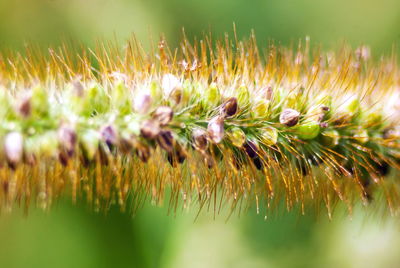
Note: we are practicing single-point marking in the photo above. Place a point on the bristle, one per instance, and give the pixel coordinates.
(111, 125)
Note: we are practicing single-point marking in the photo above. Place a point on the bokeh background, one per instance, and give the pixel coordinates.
(74, 236)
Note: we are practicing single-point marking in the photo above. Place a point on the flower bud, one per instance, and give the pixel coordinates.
(142, 103)
(251, 149)
(269, 136)
(166, 140)
(237, 137)
(163, 115)
(14, 148)
(200, 141)
(229, 108)
(67, 140)
(109, 136)
(89, 141)
(150, 129)
(39, 102)
(215, 129)
(289, 117)
(25, 107)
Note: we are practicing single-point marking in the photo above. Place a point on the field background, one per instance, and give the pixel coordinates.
(73, 236)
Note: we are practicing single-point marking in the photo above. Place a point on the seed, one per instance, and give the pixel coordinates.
(200, 140)
(215, 129)
(260, 108)
(229, 108)
(308, 130)
(289, 117)
(251, 149)
(237, 137)
(142, 103)
(166, 140)
(143, 152)
(25, 107)
(331, 138)
(269, 136)
(163, 115)
(109, 136)
(67, 139)
(90, 142)
(14, 148)
(361, 135)
(150, 129)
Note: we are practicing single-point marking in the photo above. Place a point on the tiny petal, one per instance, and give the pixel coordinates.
(289, 117)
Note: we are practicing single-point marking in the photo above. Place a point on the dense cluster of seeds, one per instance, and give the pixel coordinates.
(213, 125)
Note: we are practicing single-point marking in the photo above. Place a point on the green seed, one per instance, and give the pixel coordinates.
(269, 136)
(308, 130)
(237, 137)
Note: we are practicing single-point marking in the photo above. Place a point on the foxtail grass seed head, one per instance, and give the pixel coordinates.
(121, 127)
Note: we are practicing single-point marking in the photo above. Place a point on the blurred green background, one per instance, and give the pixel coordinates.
(73, 236)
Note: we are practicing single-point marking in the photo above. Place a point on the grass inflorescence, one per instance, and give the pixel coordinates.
(217, 124)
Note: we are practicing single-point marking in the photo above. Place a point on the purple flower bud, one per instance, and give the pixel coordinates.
(200, 141)
(289, 117)
(25, 107)
(142, 103)
(67, 139)
(150, 129)
(163, 115)
(215, 129)
(14, 148)
(109, 135)
(229, 108)
(166, 140)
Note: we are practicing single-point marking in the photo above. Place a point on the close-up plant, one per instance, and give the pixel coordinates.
(160, 150)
